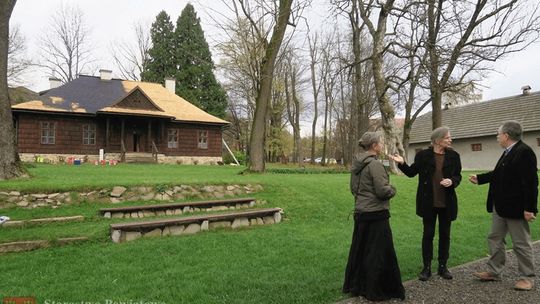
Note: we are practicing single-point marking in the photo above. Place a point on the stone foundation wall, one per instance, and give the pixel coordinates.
(62, 158)
(117, 194)
(162, 158)
(189, 160)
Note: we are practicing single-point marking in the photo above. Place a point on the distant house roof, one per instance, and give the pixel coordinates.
(21, 94)
(482, 118)
(91, 95)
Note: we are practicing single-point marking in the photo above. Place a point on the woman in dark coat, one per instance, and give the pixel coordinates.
(439, 169)
(372, 269)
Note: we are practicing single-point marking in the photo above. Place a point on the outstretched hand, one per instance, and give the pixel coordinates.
(529, 216)
(473, 179)
(397, 158)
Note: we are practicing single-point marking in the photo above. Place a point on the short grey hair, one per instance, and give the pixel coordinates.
(369, 138)
(439, 133)
(512, 128)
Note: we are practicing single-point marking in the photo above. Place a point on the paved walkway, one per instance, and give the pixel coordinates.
(465, 289)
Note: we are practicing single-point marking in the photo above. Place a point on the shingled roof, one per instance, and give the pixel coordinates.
(91, 95)
(482, 118)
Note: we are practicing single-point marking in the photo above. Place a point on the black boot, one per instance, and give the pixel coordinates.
(425, 274)
(444, 273)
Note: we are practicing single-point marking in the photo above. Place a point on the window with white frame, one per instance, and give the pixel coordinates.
(202, 139)
(89, 134)
(172, 138)
(47, 132)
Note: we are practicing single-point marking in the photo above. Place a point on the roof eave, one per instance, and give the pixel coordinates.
(202, 122)
(53, 112)
(134, 114)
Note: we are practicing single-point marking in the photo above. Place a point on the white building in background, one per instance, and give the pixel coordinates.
(474, 128)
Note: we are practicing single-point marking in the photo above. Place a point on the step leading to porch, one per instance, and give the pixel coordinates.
(139, 157)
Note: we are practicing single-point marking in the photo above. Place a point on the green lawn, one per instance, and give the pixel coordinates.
(300, 260)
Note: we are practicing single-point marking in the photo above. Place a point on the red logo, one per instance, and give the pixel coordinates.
(19, 300)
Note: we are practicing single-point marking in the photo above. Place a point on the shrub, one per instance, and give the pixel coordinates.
(240, 157)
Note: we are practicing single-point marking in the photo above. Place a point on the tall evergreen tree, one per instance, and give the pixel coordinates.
(195, 79)
(161, 61)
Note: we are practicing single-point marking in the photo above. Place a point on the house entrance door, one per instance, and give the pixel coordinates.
(136, 142)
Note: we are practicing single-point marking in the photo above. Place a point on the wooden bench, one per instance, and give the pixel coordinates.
(124, 232)
(176, 208)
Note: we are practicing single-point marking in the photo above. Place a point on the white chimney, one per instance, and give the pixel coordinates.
(526, 89)
(105, 74)
(54, 82)
(170, 84)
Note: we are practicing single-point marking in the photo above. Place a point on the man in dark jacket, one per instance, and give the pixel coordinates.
(512, 198)
(439, 170)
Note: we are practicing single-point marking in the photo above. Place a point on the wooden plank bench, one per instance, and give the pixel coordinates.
(176, 208)
(124, 232)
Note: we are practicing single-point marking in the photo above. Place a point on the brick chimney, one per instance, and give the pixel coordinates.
(105, 74)
(54, 82)
(170, 84)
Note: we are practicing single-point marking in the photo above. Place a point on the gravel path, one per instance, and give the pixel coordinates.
(465, 289)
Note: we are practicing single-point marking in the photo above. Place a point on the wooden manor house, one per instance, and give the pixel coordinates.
(129, 120)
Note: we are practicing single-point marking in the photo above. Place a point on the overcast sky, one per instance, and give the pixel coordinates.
(111, 20)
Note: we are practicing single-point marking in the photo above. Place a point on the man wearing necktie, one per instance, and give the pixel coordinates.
(512, 199)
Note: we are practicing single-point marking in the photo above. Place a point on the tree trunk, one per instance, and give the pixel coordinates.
(359, 114)
(296, 120)
(325, 127)
(10, 165)
(258, 131)
(315, 90)
(393, 141)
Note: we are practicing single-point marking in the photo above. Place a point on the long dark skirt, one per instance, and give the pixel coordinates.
(372, 269)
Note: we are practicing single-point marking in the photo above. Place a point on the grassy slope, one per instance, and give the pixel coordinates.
(300, 260)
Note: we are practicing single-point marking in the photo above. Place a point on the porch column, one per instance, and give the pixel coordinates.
(163, 133)
(122, 134)
(107, 130)
(149, 139)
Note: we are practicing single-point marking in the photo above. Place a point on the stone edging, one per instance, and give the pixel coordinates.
(117, 194)
(37, 244)
(47, 220)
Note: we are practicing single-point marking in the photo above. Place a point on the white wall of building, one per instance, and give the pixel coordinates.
(480, 160)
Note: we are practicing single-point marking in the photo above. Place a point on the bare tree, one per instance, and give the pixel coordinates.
(279, 10)
(361, 71)
(65, 45)
(275, 144)
(343, 109)
(293, 71)
(313, 43)
(410, 81)
(378, 33)
(465, 36)
(130, 57)
(10, 164)
(242, 56)
(329, 74)
(18, 63)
